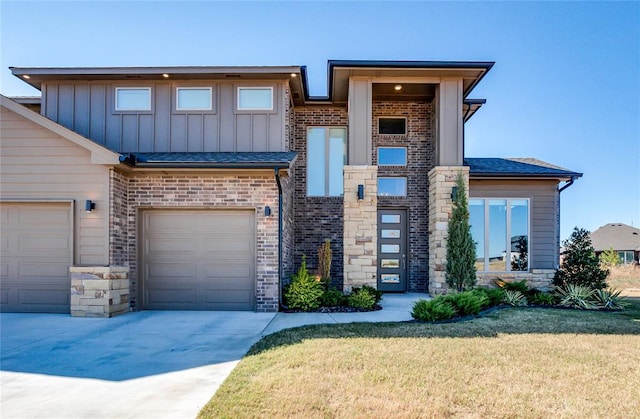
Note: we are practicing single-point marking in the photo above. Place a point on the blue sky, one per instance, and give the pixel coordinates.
(565, 87)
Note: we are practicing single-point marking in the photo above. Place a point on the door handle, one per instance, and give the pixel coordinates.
(404, 261)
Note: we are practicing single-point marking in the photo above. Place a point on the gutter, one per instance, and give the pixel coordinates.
(569, 183)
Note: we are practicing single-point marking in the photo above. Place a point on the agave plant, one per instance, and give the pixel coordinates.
(576, 296)
(609, 299)
(514, 298)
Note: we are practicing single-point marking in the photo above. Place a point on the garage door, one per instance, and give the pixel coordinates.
(199, 260)
(36, 245)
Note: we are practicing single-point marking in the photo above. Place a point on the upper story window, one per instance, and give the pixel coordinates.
(133, 98)
(500, 228)
(326, 157)
(255, 98)
(392, 156)
(392, 125)
(194, 99)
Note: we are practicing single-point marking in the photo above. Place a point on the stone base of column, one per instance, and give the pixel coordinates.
(99, 291)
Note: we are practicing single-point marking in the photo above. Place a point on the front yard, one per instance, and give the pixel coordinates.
(515, 362)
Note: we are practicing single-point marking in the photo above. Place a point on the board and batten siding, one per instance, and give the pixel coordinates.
(543, 213)
(88, 108)
(39, 165)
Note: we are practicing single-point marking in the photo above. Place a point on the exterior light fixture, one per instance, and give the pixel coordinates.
(294, 75)
(26, 76)
(89, 205)
(267, 211)
(165, 75)
(360, 192)
(397, 87)
(454, 193)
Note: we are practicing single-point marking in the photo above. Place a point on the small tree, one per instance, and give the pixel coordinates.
(580, 265)
(609, 258)
(461, 249)
(324, 262)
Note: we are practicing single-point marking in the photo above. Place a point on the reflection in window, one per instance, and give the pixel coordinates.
(519, 235)
(390, 278)
(390, 263)
(326, 157)
(476, 220)
(389, 248)
(392, 156)
(390, 218)
(392, 186)
(497, 235)
(390, 234)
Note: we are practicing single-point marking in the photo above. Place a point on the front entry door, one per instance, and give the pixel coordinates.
(392, 250)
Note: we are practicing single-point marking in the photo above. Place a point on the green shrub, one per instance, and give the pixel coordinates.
(541, 299)
(376, 293)
(576, 296)
(304, 292)
(433, 310)
(608, 299)
(333, 298)
(362, 298)
(520, 286)
(468, 302)
(494, 295)
(514, 298)
(580, 265)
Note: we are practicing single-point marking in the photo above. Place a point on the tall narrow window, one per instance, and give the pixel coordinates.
(326, 157)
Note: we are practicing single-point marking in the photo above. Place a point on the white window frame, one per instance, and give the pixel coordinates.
(327, 163)
(406, 128)
(239, 88)
(406, 186)
(119, 109)
(508, 231)
(210, 108)
(406, 157)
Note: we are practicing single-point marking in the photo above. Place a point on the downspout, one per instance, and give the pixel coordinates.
(277, 175)
(565, 186)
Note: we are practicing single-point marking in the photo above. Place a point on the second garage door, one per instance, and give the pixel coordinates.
(198, 260)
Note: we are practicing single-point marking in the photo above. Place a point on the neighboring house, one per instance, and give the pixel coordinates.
(624, 239)
(202, 187)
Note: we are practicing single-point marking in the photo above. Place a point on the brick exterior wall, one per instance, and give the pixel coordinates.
(420, 143)
(118, 237)
(316, 218)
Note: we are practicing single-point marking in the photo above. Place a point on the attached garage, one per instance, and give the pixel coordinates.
(37, 250)
(198, 259)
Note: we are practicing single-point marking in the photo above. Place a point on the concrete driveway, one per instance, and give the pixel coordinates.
(156, 364)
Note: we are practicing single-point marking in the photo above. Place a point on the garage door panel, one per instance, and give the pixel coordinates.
(227, 297)
(55, 218)
(168, 222)
(47, 245)
(161, 245)
(170, 296)
(43, 272)
(171, 271)
(227, 245)
(227, 270)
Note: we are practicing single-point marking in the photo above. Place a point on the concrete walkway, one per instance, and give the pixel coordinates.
(149, 364)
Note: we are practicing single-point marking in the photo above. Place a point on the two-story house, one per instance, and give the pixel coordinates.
(202, 187)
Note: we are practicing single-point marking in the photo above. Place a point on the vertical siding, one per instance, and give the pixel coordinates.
(36, 164)
(89, 109)
(542, 212)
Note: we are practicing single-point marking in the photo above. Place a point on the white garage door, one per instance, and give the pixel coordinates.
(199, 260)
(37, 249)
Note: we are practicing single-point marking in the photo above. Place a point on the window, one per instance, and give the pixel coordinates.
(193, 99)
(392, 186)
(392, 126)
(326, 157)
(255, 98)
(133, 99)
(500, 228)
(392, 156)
(625, 257)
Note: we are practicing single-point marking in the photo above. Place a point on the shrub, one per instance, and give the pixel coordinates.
(542, 299)
(333, 298)
(362, 298)
(304, 292)
(608, 299)
(494, 295)
(433, 310)
(576, 296)
(609, 258)
(514, 298)
(376, 293)
(580, 265)
(520, 286)
(468, 302)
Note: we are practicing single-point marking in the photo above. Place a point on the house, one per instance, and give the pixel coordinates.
(622, 238)
(202, 187)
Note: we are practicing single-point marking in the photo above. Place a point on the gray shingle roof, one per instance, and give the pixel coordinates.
(243, 160)
(617, 235)
(525, 167)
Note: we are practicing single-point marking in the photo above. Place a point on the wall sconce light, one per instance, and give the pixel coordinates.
(360, 192)
(89, 205)
(267, 211)
(454, 193)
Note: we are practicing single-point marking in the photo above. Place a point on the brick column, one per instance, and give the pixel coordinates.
(99, 291)
(360, 240)
(441, 181)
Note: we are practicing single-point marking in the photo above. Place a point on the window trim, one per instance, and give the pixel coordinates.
(486, 199)
(177, 90)
(406, 157)
(327, 162)
(406, 187)
(239, 88)
(149, 101)
(406, 128)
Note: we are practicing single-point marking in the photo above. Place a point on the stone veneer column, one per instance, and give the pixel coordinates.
(99, 291)
(360, 238)
(441, 181)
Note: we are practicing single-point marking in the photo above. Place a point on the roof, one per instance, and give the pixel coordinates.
(198, 160)
(617, 235)
(99, 154)
(516, 167)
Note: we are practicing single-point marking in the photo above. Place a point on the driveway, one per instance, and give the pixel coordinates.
(156, 364)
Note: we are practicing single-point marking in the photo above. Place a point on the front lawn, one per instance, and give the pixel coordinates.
(515, 362)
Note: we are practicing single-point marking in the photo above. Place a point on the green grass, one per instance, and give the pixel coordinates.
(515, 362)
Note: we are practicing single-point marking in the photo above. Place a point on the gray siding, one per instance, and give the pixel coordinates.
(543, 213)
(89, 109)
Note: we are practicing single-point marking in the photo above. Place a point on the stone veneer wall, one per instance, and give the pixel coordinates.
(441, 181)
(316, 218)
(536, 278)
(99, 291)
(420, 144)
(360, 227)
